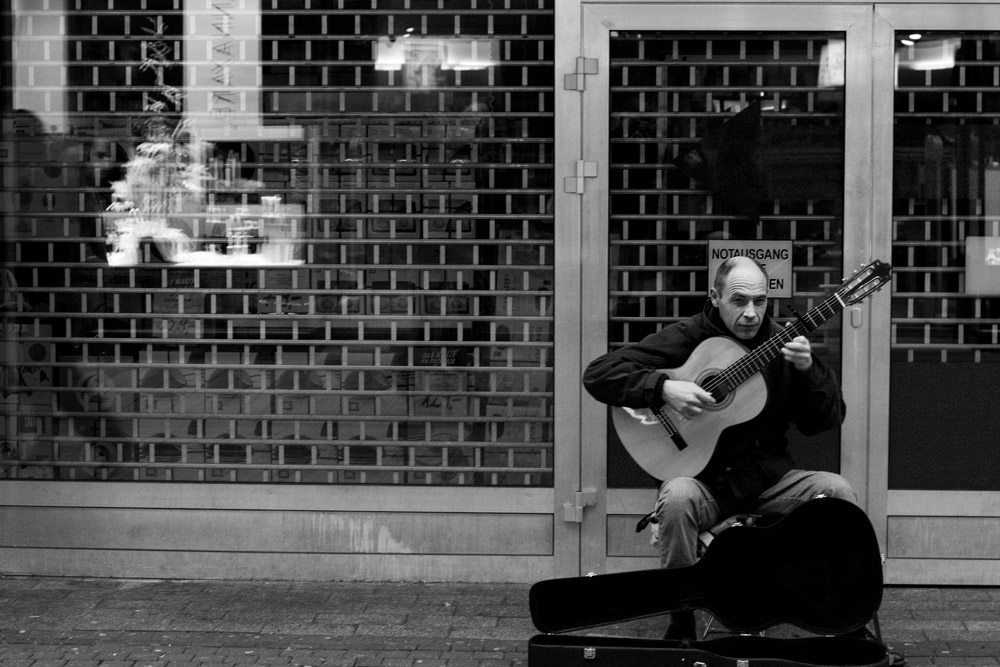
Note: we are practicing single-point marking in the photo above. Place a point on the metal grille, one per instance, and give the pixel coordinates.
(945, 327)
(408, 340)
(946, 198)
(671, 95)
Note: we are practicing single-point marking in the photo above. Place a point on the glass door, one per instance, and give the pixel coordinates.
(724, 130)
(937, 109)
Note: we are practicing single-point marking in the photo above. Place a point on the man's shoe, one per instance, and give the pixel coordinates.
(861, 633)
(682, 626)
(896, 658)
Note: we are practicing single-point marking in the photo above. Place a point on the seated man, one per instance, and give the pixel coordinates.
(751, 470)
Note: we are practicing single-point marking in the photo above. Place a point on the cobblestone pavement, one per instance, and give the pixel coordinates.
(49, 622)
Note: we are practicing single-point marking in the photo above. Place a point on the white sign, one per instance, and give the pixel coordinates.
(774, 256)
(223, 83)
(982, 265)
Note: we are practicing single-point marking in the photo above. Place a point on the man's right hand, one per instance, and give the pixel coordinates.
(686, 397)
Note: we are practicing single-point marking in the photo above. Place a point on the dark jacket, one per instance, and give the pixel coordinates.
(752, 456)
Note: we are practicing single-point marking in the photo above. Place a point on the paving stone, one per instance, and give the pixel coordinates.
(130, 623)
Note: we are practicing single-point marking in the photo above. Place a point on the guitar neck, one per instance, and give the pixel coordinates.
(768, 351)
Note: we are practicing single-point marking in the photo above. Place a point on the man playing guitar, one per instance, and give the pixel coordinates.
(750, 470)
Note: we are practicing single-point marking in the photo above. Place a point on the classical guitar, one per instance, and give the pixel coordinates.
(818, 567)
(666, 444)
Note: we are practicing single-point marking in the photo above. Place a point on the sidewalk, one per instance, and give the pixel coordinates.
(49, 622)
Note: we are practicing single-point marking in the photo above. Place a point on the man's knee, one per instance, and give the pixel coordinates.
(678, 498)
(681, 508)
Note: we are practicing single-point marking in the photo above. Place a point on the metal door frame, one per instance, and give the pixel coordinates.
(914, 505)
(597, 20)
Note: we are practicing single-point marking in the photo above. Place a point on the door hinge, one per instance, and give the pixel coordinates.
(583, 67)
(584, 169)
(573, 512)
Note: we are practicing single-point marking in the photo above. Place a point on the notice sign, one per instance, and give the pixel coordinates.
(774, 256)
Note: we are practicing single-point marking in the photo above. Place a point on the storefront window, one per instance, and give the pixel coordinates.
(946, 262)
(265, 242)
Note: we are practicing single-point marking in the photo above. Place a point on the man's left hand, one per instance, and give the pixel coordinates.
(798, 352)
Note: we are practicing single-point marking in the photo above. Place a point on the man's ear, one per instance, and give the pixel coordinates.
(713, 295)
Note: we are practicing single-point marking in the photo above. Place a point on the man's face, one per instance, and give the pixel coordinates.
(743, 301)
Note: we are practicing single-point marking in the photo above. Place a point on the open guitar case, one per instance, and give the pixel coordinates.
(819, 568)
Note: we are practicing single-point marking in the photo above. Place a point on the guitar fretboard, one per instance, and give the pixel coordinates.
(743, 369)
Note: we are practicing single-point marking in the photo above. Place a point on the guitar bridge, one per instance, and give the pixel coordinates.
(671, 430)
(679, 440)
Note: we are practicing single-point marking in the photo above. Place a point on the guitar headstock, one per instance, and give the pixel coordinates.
(864, 282)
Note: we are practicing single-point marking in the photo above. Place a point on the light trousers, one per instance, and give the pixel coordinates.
(685, 508)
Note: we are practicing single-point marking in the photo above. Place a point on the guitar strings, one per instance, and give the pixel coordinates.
(746, 366)
(665, 422)
(739, 370)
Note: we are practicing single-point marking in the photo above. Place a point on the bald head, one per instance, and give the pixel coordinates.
(736, 262)
(740, 294)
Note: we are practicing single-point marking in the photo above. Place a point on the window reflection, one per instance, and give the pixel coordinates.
(452, 53)
(220, 188)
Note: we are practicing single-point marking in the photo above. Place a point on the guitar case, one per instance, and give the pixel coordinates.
(736, 651)
(818, 568)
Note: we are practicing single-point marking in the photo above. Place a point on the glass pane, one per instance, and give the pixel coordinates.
(722, 143)
(275, 242)
(946, 261)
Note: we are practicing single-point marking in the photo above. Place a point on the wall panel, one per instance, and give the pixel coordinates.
(287, 567)
(141, 530)
(281, 531)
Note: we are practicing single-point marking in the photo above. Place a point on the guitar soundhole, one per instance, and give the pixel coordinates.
(720, 391)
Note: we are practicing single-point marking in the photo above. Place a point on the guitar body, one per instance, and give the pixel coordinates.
(818, 567)
(667, 445)
(655, 451)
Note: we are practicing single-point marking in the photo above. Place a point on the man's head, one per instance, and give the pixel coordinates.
(740, 294)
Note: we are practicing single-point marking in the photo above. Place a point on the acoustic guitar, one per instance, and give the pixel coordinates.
(666, 444)
(818, 567)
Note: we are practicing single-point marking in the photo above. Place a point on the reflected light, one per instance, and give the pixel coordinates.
(833, 63)
(447, 53)
(930, 55)
(470, 54)
(391, 54)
